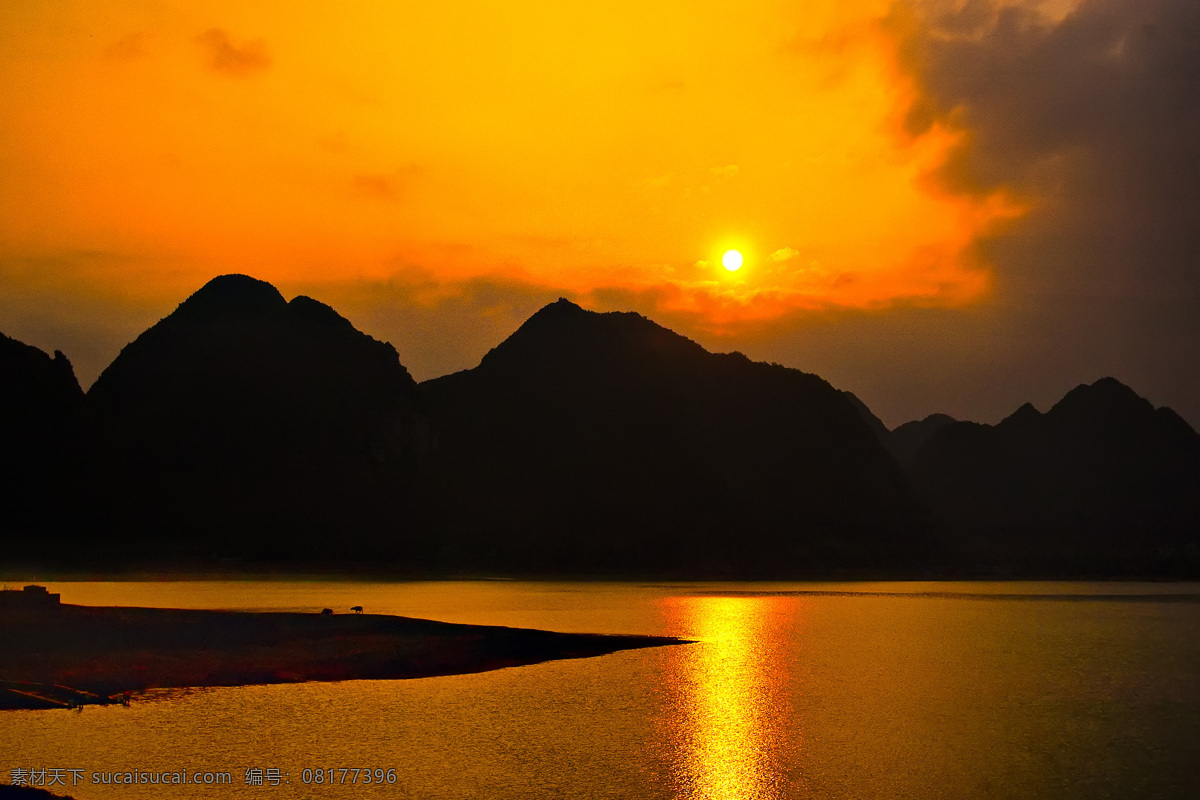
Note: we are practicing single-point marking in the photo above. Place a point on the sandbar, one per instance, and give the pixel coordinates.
(68, 656)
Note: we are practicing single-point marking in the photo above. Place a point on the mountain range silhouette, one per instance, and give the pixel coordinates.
(243, 425)
(607, 443)
(247, 430)
(1101, 483)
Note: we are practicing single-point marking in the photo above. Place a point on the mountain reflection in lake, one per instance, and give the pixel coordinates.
(925, 691)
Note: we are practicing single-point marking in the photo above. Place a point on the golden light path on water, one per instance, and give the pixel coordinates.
(732, 698)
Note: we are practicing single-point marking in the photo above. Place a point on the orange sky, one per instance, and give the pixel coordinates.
(437, 171)
(617, 144)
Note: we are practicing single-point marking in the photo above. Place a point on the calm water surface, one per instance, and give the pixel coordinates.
(790, 691)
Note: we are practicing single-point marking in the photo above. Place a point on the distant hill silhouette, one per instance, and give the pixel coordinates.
(1102, 484)
(248, 428)
(905, 441)
(246, 425)
(592, 443)
(40, 404)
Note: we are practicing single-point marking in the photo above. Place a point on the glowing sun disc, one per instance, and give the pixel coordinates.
(732, 260)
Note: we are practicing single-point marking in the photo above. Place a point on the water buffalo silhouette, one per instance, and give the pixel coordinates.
(326, 612)
(356, 609)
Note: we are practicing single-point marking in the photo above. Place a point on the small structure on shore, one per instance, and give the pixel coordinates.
(326, 612)
(29, 598)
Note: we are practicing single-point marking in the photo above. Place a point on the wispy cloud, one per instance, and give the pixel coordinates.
(225, 57)
(383, 186)
(128, 48)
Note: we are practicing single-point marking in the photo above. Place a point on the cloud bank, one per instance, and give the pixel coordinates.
(1089, 118)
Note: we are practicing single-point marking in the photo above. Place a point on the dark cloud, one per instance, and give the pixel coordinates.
(1092, 120)
(223, 56)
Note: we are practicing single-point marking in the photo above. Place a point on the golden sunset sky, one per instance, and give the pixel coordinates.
(437, 171)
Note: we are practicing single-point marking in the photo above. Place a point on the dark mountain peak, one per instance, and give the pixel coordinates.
(250, 424)
(552, 315)
(237, 357)
(649, 338)
(34, 382)
(1102, 482)
(1026, 415)
(933, 421)
(1105, 400)
(560, 318)
(562, 312)
(562, 308)
(307, 311)
(605, 443)
(906, 440)
(237, 331)
(562, 335)
(15, 352)
(232, 295)
(61, 366)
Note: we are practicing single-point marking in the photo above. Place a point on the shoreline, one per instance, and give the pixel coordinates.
(69, 656)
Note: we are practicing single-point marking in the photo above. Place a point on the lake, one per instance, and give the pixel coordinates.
(906, 690)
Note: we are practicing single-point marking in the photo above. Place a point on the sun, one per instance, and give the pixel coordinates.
(732, 260)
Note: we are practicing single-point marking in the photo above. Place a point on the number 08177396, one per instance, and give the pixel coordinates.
(347, 775)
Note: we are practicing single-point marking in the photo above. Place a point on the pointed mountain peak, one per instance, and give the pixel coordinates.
(240, 331)
(562, 334)
(561, 309)
(232, 294)
(1025, 414)
(905, 441)
(931, 422)
(562, 313)
(313, 312)
(26, 370)
(1106, 398)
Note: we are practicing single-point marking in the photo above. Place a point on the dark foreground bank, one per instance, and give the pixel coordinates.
(10, 792)
(69, 655)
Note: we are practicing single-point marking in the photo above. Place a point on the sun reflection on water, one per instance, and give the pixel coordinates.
(730, 700)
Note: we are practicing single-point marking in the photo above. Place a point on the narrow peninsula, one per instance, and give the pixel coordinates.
(54, 655)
